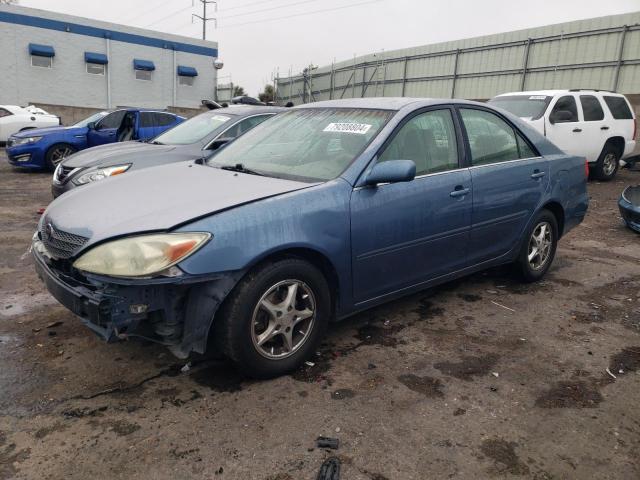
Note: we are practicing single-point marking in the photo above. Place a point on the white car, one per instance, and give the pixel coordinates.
(595, 124)
(15, 119)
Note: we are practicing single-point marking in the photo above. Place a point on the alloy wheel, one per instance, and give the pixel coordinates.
(540, 245)
(283, 319)
(60, 154)
(609, 164)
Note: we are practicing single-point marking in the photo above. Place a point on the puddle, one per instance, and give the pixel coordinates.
(21, 303)
(343, 393)
(628, 360)
(469, 367)
(570, 394)
(427, 386)
(504, 456)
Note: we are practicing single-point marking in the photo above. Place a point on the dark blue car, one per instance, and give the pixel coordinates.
(46, 147)
(318, 213)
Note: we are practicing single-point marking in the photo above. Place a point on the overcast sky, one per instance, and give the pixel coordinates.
(254, 40)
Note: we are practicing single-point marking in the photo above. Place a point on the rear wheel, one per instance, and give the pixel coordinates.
(539, 248)
(607, 165)
(58, 153)
(275, 318)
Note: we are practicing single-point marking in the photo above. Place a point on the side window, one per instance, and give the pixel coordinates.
(566, 105)
(591, 108)
(524, 149)
(164, 119)
(147, 120)
(244, 126)
(4, 112)
(113, 120)
(491, 139)
(429, 139)
(618, 107)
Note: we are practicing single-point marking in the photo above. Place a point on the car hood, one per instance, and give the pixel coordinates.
(157, 199)
(115, 153)
(46, 131)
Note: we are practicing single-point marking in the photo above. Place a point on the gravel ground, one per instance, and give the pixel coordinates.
(480, 378)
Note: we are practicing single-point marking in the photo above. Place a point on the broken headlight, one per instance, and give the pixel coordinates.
(141, 256)
(100, 173)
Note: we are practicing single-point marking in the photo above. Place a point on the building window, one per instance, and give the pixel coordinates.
(95, 69)
(143, 75)
(38, 61)
(188, 81)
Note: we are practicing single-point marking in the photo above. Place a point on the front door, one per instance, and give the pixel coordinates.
(403, 234)
(106, 129)
(594, 127)
(509, 180)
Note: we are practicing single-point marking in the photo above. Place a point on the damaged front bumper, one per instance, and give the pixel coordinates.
(629, 205)
(174, 311)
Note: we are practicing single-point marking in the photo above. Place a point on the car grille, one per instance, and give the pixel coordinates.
(58, 243)
(62, 173)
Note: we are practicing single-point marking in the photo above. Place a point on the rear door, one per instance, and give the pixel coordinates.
(509, 180)
(403, 234)
(595, 130)
(566, 134)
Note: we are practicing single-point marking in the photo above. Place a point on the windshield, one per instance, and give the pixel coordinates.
(523, 106)
(193, 130)
(309, 145)
(93, 118)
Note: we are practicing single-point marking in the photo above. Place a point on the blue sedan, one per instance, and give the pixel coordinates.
(46, 147)
(320, 212)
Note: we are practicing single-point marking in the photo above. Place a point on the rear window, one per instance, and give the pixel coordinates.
(523, 106)
(591, 108)
(619, 107)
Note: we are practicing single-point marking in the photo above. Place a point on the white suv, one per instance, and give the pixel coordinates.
(595, 124)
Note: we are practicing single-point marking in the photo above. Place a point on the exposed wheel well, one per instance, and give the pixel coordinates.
(558, 212)
(27, 128)
(618, 144)
(319, 261)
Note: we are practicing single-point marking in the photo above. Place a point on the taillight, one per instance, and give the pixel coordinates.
(586, 168)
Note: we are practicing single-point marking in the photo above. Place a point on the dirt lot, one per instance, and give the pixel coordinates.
(481, 378)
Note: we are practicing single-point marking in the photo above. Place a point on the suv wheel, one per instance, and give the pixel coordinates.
(275, 318)
(607, 164)
(57, 153)
(539, 247)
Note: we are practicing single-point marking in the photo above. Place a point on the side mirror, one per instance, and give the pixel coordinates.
(91, 125)
(561, 116)
(220, 142)
(392, 171)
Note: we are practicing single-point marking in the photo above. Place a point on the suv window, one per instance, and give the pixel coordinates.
(429, 139)
(491, 139)
(4, 112)
(113, 120)
(618, 107)
(164, 119)
(244, 126)
(591, 108)
(566, 103)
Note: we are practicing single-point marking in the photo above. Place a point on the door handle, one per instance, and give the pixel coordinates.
(537, 174)
(604, 128)
(459, 191)
(577, 130)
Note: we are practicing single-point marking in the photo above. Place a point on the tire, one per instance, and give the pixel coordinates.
(534, 269)
(608, 163)
(57, 153)
(244, 321)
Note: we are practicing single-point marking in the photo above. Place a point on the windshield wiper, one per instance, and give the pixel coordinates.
(238, 167)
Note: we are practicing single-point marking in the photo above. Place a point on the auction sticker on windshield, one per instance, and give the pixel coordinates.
(359, 128)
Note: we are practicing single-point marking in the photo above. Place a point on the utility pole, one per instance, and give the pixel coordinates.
(204, 17)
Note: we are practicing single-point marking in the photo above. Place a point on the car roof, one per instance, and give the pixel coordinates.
(12, 108)
(385, 103)
(551, 93)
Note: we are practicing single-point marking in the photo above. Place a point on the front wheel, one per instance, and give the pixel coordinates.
(58, 153)
(275, 318)
(539, 247)
(607, 164)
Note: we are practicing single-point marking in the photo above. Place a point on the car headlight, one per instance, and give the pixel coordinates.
(141, 256)
(100, 173)
(24, 140)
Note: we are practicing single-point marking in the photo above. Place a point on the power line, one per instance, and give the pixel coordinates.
(246, 5)
(145, 12)
(300, 14)
(169, 16)
(269, 9)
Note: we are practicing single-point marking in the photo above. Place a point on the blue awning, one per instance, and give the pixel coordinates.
(92, 57)
(187, 71)
(41, 50)
(143, 65)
